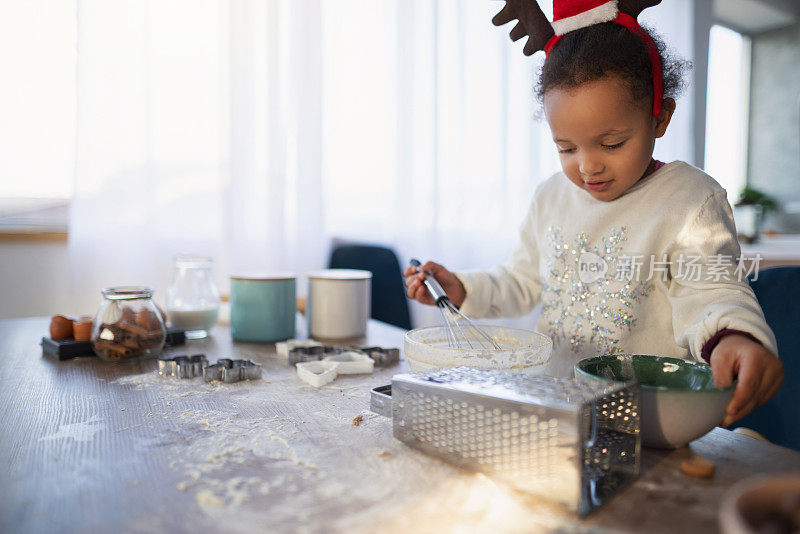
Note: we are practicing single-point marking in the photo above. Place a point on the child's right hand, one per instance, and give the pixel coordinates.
(450, 283)
(758, 371)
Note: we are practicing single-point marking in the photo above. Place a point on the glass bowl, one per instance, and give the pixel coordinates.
(525, 351)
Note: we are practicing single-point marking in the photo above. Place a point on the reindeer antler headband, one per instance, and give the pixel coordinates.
(570, 15)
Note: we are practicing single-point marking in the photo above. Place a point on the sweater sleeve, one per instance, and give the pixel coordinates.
(708, 289)
(507, 290)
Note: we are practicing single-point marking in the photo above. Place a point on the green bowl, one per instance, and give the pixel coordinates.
(679, 401)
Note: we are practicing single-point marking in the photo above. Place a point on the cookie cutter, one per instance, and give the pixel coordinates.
(318, 373)
(283, 347)
(312, 353)
(352, 362)
(382, 357)
(182, 366)
(227, 370)
(339, 362)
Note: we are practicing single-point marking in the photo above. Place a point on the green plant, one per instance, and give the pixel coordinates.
(750, 196)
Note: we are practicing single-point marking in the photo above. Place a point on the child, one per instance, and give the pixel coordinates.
(625, 253)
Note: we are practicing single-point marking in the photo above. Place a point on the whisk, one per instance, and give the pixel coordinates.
(461, 331)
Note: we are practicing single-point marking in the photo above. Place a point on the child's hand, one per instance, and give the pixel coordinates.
(759, 372)
(450, 283)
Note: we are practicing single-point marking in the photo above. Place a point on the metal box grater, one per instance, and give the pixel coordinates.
(574, 443)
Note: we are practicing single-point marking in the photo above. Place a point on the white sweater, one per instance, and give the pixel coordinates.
(579, 256)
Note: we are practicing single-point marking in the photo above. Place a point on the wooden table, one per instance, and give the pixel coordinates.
(90, 446)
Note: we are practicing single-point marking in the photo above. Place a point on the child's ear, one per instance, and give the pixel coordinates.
(662, 121)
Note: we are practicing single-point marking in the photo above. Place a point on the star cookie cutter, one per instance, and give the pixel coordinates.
(227, 370)
(182, 366)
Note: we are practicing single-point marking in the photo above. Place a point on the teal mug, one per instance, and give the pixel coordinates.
(263, 307)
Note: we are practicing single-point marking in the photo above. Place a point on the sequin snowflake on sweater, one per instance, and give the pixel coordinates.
(589, 290)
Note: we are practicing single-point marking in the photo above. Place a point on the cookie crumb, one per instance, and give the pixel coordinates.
(697, 466)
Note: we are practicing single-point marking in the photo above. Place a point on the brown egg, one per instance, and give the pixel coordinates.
(82, 327)
(60, 327)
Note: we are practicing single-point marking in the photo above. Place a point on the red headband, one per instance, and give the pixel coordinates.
(655, 63)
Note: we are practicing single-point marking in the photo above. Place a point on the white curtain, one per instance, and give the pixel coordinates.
(199, 131)
(257, 131)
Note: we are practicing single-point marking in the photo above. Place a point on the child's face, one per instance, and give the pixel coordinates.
(604, 140)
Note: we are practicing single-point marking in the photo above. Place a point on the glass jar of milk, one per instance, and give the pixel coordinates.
(192, 298)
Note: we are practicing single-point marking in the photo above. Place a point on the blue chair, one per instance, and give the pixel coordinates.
(778, 292)
(389, 301)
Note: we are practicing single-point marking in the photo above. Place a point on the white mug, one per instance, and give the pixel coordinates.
(338, 303)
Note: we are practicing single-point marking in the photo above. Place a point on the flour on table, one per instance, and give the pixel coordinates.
(219, 463)
(238, 453)
(207, 497)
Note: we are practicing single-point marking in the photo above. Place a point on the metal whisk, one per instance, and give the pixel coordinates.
(461, 331)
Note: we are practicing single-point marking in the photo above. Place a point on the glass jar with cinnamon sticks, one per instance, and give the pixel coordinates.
(128, 326)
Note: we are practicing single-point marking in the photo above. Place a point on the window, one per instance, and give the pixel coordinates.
(38, 48)
(727, 109)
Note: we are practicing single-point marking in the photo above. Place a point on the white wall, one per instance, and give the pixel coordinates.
(34, 279)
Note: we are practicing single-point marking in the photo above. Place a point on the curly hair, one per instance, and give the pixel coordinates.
(608, 49)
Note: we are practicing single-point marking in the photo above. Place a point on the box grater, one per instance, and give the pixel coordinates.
(577, 444)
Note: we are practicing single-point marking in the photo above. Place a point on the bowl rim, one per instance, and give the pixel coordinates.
(665, 359)
(545, 340)
(730, 507)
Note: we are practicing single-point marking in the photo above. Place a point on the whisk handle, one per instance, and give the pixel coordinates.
(437, 293)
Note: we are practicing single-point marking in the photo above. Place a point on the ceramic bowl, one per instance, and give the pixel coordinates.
(338, 303)
(526, 351)
(762, 504)
(263, 307)
(679, 401)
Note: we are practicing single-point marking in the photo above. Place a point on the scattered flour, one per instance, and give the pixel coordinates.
(222, 464)
(297, 472)
(207, 497)
(83, 431)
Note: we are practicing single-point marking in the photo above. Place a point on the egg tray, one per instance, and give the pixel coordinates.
(573, 443)
(66, 349)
